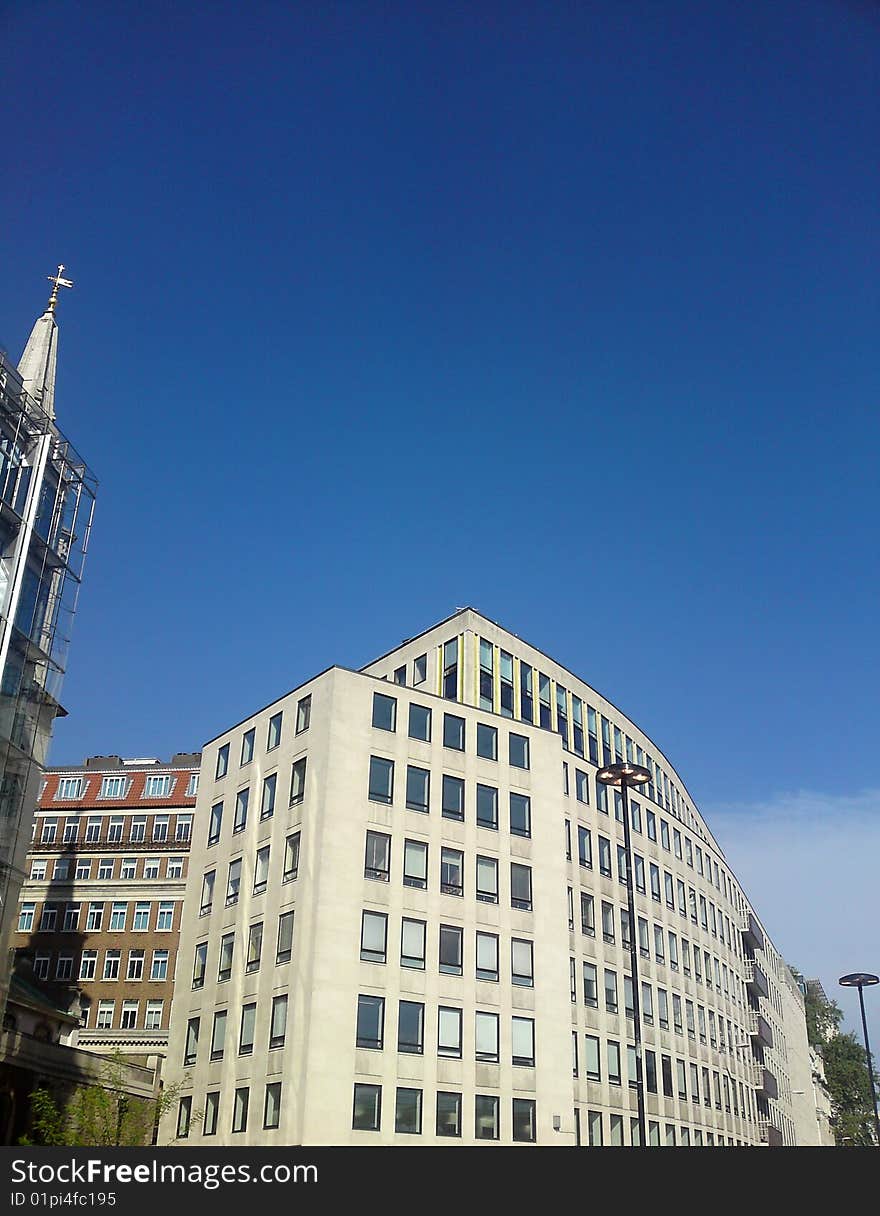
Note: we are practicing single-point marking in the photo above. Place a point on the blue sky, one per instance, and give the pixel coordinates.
(564, 311)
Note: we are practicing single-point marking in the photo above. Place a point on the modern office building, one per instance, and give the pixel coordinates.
(47, 496)
(101, 909)
(407, 924)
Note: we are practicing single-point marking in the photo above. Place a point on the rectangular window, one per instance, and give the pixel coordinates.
(418, 788)
(520, 886)
(384, 712)
(71, 918)
(613, 1059)
(153, 1019)
(303, 714)
(291, 858)
(267, 802)
(415, 864)
(412, 943)
(118, 913)
(588, 917)
(487, 806)
(451, 949)
(451, 871)
(138, 831)
(233, 882)
(88, 964)
(367, 1111)
(449, 1032)
(285, 938)
(487, 741)
(105, 1015)
(190, 1050)
(371, 1022)
(272, 1106)
(94, 918)
(218, 1035)
(486, 1037)
(48, 919)
(522, 966)
(487, 879)
(604, 856)
(377, 856)
(381, 787)
(158, 786)
(261, 870)
(93, 830)
(105, 869)
(520, 815)
(523, 1041)
(592, 1058)
(174, 867)
(159, 970)
(71, 829)
(453, 732)
(212, 1108)
(374, 935)
(297, 782)
(69, 788)
(215, 823)
(610, 990)
(453, 797)
(278, 1025)
(524, 1119)
(273, 734)
(591, 985)
(247, 746)
(420, 723)
(114, 829)
(242, 798)
(248, 1026)
(254, 947)
(410, 1027)
(240, 1109)
(207, 892)
(222, 762)
(200, 965)
(227, 949)
(518, 751)
(487, 957)
(408, 1111)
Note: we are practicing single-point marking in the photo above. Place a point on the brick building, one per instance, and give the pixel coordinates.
(100, 910)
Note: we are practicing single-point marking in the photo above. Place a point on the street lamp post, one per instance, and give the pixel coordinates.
(860, 980)
(631, 776)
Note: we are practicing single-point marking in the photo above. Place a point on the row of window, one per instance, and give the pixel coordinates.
(115, 826)
(107, 868)
(267, 801)
(253, 954)
(700, 1022)
(241, 1101)
(273, 737)
(142, 918)
(367, 1113)
(289, 872)
(156, 785)
(671, 1136)
(129, 1013)
(246, 1030)
(674, 1078)
(453, 799)
(676, 894)
(689, 959)
(413, 942)
(419, 726)
(411, 1016)
(112, 968)
(377, 866)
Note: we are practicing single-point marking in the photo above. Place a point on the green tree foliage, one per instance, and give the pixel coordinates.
(846, 1068)
(99, 1115)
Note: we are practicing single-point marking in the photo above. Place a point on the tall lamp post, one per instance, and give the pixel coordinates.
(860, 980)
(625, 777)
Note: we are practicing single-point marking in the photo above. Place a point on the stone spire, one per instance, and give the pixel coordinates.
(37, 366)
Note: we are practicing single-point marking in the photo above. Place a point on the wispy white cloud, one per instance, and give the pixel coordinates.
(810, 863)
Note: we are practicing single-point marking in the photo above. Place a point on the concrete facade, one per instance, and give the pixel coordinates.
(457, 971)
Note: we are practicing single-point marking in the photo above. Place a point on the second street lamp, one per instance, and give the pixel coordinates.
(860, 980)
(624, 777)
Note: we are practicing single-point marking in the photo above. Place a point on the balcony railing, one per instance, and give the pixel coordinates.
(75, 848)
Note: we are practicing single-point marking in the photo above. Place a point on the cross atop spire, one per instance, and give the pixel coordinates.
(56, 281)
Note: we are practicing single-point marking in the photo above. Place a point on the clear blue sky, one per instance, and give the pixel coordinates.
(566, 311)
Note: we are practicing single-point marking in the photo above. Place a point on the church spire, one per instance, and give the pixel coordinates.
(38, 363)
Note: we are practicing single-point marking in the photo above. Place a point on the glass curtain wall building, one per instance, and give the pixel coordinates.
(408, 924)
(47, 496)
